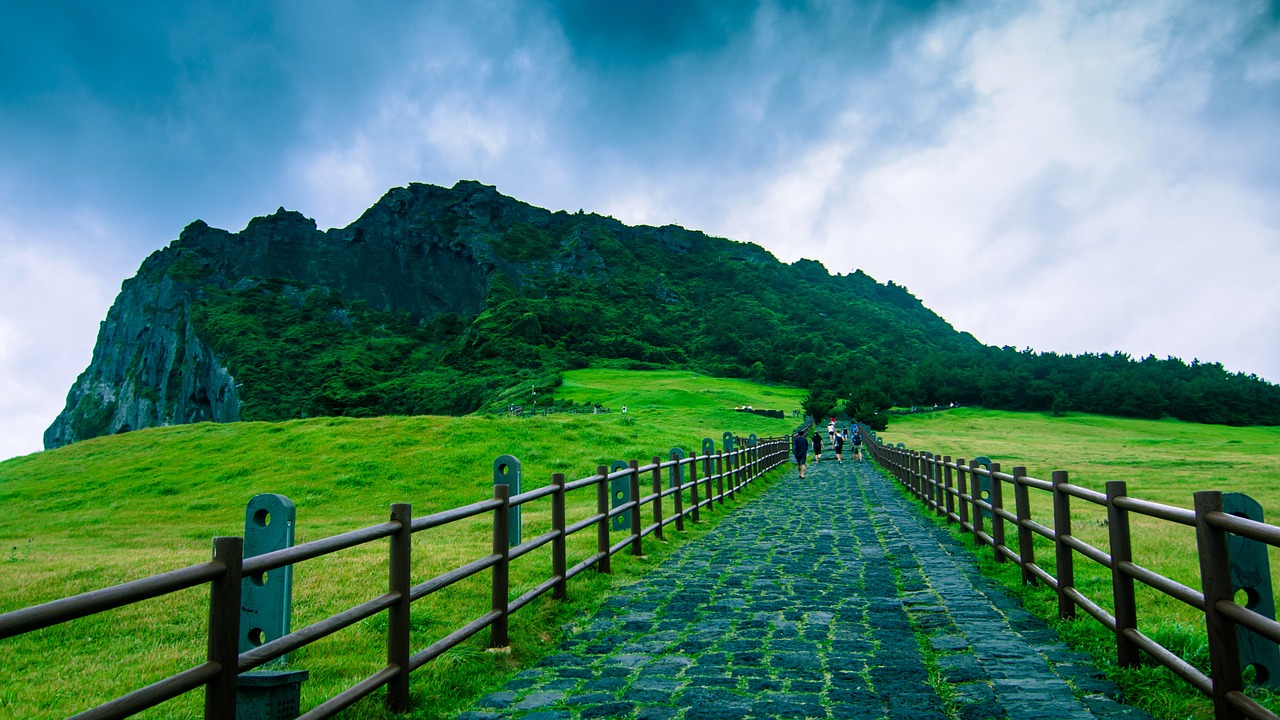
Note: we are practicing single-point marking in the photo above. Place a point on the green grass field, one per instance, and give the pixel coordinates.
(114, 509)
(1161, 461)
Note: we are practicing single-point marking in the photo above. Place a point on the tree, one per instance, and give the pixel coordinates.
(1061, 403)
(818, 403)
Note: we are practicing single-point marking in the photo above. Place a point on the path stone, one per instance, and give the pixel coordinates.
(813, 599)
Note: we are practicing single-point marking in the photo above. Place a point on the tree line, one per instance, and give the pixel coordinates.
(581, 290)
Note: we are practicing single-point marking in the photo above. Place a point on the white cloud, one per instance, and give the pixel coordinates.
(467, 102)
(1075, 204)
(50, 307)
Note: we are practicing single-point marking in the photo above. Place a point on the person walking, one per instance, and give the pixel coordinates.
(800, 448)
(817, 445)
(857, 445)
(839, 448)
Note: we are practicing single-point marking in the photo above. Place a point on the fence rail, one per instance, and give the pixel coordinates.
(952, 490)
(723, 475)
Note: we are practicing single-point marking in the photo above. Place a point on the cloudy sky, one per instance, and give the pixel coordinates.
(1061, 175)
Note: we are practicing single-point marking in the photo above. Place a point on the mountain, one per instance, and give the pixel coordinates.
(449, 300)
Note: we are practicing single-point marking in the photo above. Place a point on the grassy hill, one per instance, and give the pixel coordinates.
(117, 508)
(451, 301)
(112, 509)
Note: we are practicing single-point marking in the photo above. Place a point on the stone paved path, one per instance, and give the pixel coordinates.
(811, 600)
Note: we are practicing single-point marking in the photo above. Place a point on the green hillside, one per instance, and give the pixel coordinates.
(113, 509)
(445, 301)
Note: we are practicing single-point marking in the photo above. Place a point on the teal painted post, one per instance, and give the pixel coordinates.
(266, 600)
(1251, 573)
(506, 471)
(619, 489)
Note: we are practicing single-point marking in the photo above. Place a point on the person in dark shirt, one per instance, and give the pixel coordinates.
(839, 440)
(857, 445)
(817, 446)
(800, 447)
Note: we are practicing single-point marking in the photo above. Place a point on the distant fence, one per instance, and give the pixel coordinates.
(724, 473)
(534, 411)
(775, 414)
(969, 494)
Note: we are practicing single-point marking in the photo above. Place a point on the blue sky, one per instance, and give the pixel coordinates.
(1065, 176)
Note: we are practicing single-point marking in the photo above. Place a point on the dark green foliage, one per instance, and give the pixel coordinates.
(818, 404)
(1106, 384)
(573, 290)
(92, 416)
(300, 353)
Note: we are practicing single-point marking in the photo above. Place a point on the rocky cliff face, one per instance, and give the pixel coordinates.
(149, 368)
(419, 250)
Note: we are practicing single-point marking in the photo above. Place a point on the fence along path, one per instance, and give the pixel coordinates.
(706, 480)
(1237, 633)
(812, 601)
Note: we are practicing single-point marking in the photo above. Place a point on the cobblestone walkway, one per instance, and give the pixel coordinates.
(811, 600)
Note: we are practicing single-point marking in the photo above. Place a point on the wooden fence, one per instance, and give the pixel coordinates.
(723, 474)
(951, 490)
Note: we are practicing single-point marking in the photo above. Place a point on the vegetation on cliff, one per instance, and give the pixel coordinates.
(456, 300)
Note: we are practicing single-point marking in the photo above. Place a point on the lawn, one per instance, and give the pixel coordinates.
(114, 509)
(1162, 461)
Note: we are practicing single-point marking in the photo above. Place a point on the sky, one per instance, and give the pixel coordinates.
(1066, 176)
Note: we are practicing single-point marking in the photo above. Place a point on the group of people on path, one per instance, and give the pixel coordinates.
(837, 438)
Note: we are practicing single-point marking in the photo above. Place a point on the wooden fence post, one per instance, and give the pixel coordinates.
(917, 479)
(1215, 579)
(1125, 602)
(946, 488)
(501, 584)
(975, 496)
(559, 564)
(399, 581)
(677, 500)
(1026, 541)
(939, 489)
(962, 490)
(657, 497)
(997, 522)
(732, 463)
(720, 477)
(1066, 572)
(602, 527)
(634, 483)
(224, 629)
(693, 488)
(708, 472)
